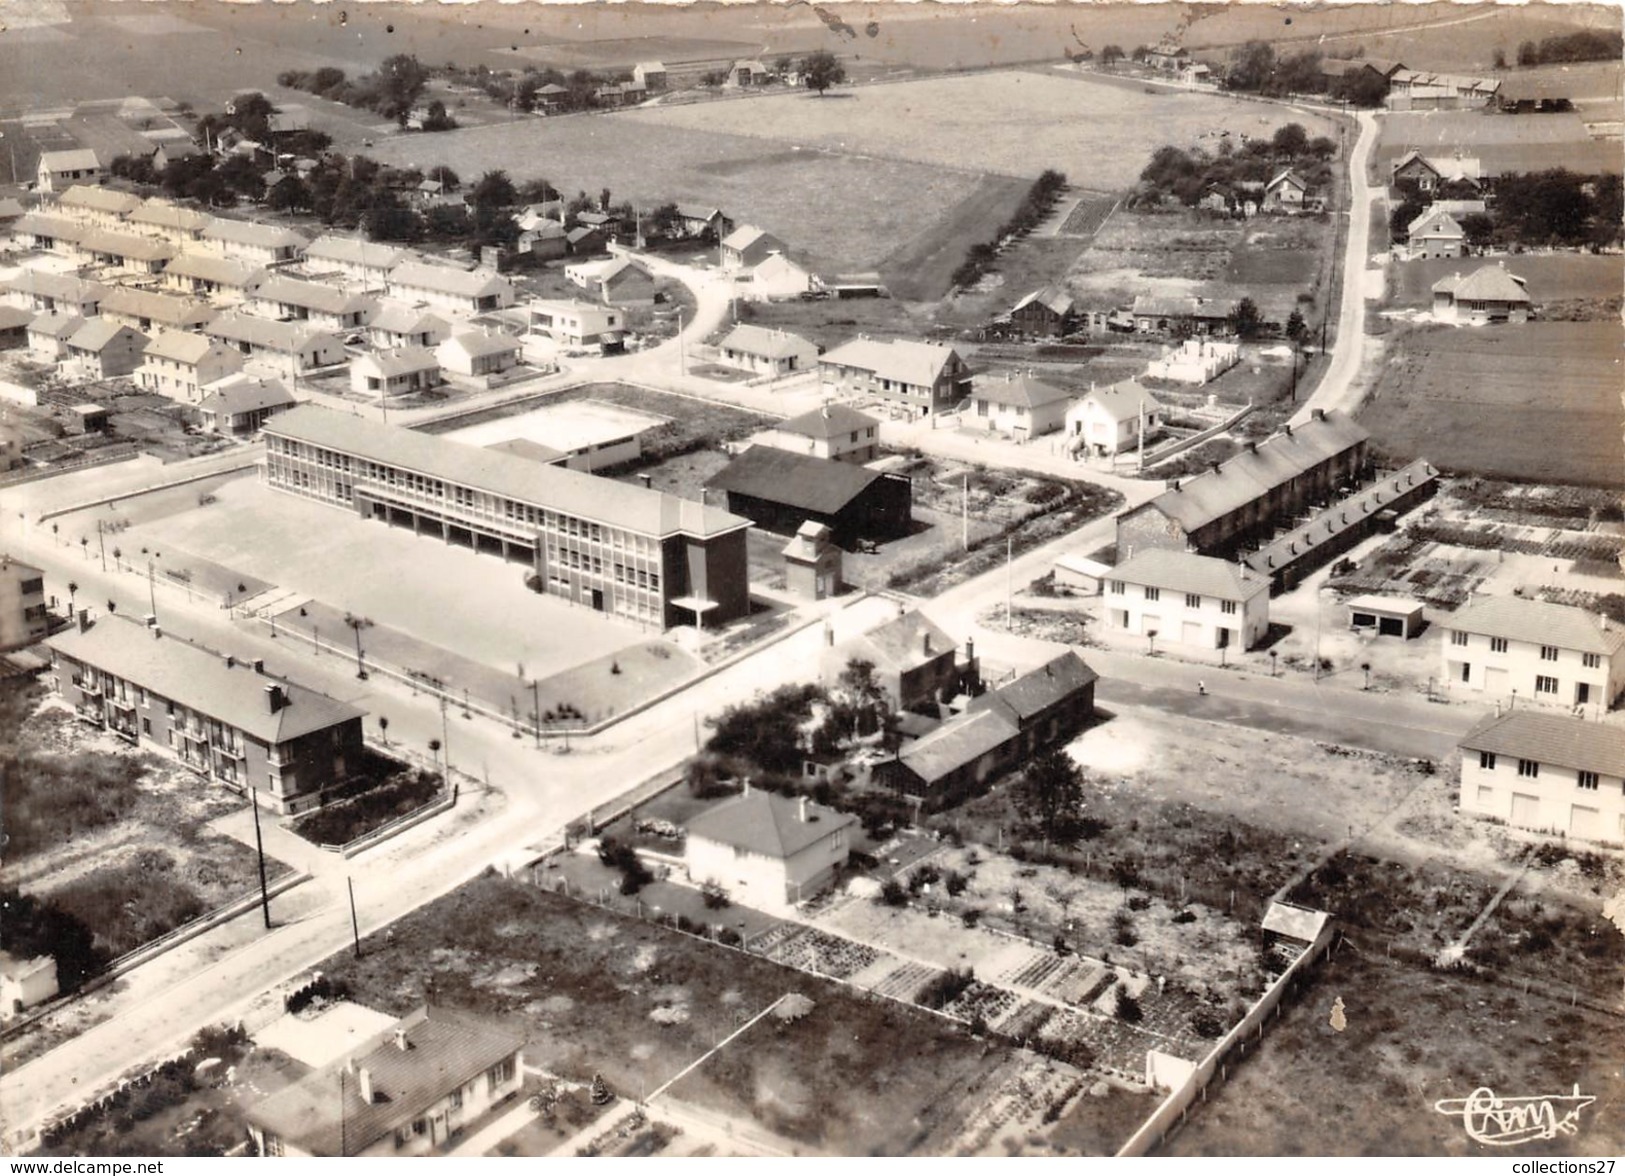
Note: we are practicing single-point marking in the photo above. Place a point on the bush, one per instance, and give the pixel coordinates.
(893, 894)
(619, 856)
(715, 897)
(944, 988)
(1128, 1008)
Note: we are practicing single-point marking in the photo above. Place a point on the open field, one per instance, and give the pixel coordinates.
(884, 201)
(596, 992)
(922, 268)
(1013, 123)
(1539, 401)
(1502, 142)
(1552, 277)
(1414, 1036)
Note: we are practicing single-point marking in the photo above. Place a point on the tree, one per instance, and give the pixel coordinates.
(31, 926)
(436, 118)
(1290, 140)
(1500, 59)
(398, 84)
(1479, 229)
(1528, 54)
(1252, 67)
(136, 168)
(251, 114)
(1051, 793)
(821, 70)
(447, 178)
(1111, 54)
(1295, 326)
(72, 589)
(289, 194)
(664, 223)
(383, 729)
(1322, 148)
(494, 190)
(1245, 319)
(327, 79)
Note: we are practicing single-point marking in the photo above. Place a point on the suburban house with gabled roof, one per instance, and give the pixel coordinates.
(1017, 403)
(543, 240)
(1487, 295)
(1435, 233)
(211, 274)
(327, 307)
(179, 226)
(765, 351)
(299, 344)
(103, 349)
(260, 244)
(1049, 311)
(575, 323)
(1548, 773)
(744, 74)
(769, 852)
(151, 310)
(748, 246)
(914, 661)
(14, 322)
(134, 252)
(395, 324)
(1430, 172)
(48, 333)
(1285, 192)
(923, 377)
(92, 204)
(478, 353)
(239, 405)
(625, 550)
(229, 722)
(355, 259)
(395, 373)
(834, 432)
(1110, 420)
(404, 1092)
(1188, 599)
(651, 75)
(1179, 312)
(700, 221)
(42, 230)
(779, 490)
(177, 364)
(60, 170)
(1511, 647)
(617, 281)
(778, 277)
(43, 291)
(1243, 500)
(1049, 704)
(466, 292)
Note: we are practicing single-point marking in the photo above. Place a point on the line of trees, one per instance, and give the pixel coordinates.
(1255, 68)
(1038, 203)
(391, 91)
(1186, 175)
(1556, 207)
(1587, 45)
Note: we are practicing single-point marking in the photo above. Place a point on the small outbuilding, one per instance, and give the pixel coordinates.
(812, 563)
(1389, 616)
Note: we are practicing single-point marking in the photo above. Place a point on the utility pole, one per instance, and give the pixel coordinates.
(445, 737)
(536, 710)
(101, 542)
(259, 849)
(964, 516)
(682, 350)
(152, 589)
(355, 924)
(1009, 558)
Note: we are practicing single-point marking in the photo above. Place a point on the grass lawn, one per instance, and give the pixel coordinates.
(1533, 402)
(1414, 1036)
(384, 789)
(597, 992)
(1522, 143)
(829, 324)
(922, 267)
(1552, 277)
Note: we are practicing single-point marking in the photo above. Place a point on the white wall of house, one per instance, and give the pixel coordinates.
(1202, 622)
(1016, 418)
(1497, 666)
(1547, 798)
(762, 882)
(1102, 434)
(184, 381)
(857, 447)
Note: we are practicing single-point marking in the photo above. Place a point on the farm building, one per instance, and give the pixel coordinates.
(1045, 312)
(293, 343)
(615, 281)
(239, 406)
(1195, 361)
(60, 170)
(1175, 313)
(651, 75)
(394, 324)
(701, 223)
(922, 377)
(766, 352)
(474, 353)
(778, 491)
(1386, 616)
(177, 364)
(1110, 420)
(149, 310)
(747, 247)
(812, 563)
(103, 349)
(405, 1092)
(1342, 523)
(1416, 89)
(260, 244)
(231, 723)
(1192, 600)
(769, 852)
(575, 323)
(1507, 646)
(545, 240)
(914, 661)
(328, 307)
(1050, 704)
(1285, 192)
(1246, 498)
(1487, 295)
(625, 550)
(1167, 60)
(1429, 173)
(1547, 773)
(1435, 234)
(1017, 404)
(834, 432)
(210, 274)
(25, 983)
(744, 74)
(23, 615)
(585, 241)
(395, 373)
(453, 290)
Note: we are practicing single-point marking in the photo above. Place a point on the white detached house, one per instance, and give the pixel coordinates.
(767, 851)
(1545, 772)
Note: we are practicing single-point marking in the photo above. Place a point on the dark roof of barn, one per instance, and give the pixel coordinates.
(793, 479)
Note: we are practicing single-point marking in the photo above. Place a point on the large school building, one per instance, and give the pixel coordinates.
(620, 549)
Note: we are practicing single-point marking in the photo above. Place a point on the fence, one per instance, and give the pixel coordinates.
(1172, 1112)
(126, 451)
(395, 827)
(1175, 448)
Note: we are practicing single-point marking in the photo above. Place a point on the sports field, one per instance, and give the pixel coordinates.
(1013, 123)
(1533, 402)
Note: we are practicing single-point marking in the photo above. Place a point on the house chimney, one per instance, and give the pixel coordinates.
(259, 665)
(275, 700)
(1214, 466)
(704, 495)
(400, 1040)
(647, 480)
(364, 1076)
(84, 619)
(829, 634)
(801, 811)
(925, 644)
(1318, 414)
(1252, 447)
(1287, 429)
(231, 661)
(746, 792)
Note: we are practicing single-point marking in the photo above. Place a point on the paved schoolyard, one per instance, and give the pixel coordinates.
(443, 595)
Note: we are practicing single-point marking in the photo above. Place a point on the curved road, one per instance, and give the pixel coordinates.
(1338, 389)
